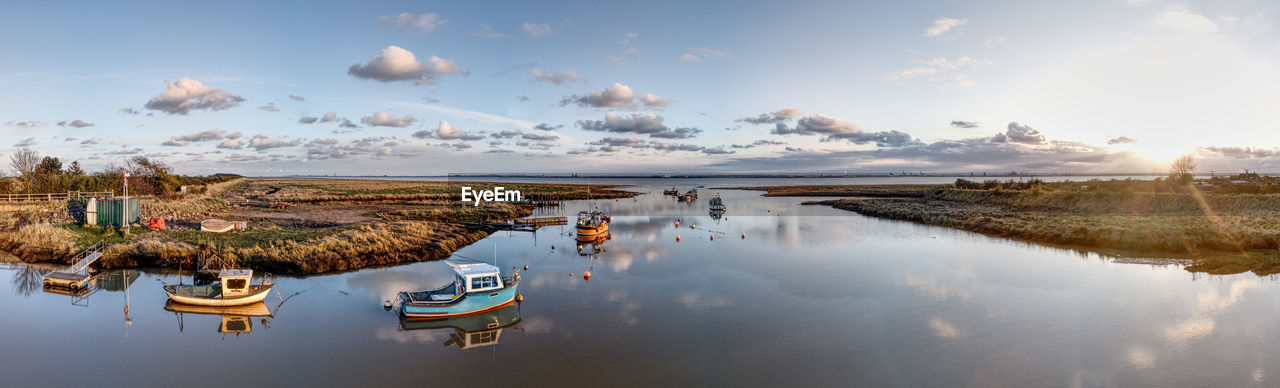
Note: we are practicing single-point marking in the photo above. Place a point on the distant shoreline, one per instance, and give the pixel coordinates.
(753, 176)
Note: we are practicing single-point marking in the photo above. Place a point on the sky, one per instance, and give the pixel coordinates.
(431, 88)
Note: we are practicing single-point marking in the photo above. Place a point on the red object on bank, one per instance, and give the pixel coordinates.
(157, 224)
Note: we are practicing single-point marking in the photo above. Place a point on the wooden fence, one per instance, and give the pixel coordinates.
(54, 196)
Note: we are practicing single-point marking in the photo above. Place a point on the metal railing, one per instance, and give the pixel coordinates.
(35, 197)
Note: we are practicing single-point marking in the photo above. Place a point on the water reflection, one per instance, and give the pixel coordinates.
(28, 279)
(469, 331)
(234, 320)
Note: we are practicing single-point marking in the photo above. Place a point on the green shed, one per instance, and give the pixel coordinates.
(110, 210)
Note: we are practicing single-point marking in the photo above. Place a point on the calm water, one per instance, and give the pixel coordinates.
(811, 295)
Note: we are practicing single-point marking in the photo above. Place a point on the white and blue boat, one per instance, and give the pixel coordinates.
(476, 288)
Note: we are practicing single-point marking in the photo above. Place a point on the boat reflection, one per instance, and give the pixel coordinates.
(235, 319)
(596, 243)
(470, 331)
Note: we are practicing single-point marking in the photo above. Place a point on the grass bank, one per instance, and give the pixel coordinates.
(1221, 229)
(840, 191)
(298, 226)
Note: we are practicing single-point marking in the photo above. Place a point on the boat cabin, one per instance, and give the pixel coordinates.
(476, 277)
(235, 282)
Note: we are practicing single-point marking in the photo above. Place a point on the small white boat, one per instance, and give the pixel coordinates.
(233, 288)
(217, 226)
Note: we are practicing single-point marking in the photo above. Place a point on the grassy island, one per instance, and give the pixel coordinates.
(1222, 225)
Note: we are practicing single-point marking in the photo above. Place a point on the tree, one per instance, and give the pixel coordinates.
(49, 166)
(24, 161)
(1182, 168)
(74, 169)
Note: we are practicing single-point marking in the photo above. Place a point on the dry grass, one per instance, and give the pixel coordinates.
(1223, 232)
(348, 224)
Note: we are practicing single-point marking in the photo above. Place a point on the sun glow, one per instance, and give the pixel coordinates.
(1161, 152)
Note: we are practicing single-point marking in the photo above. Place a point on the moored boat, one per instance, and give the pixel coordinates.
(234, 288)
(593, 223)
(716, 204)
(476, 288)
(673, 191)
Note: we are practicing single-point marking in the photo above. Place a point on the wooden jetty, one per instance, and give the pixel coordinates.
(562, 220)
(522, 224)
(77, 275)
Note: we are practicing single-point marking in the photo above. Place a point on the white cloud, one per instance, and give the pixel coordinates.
(487, 31)
(615, 96)
(534, 30)
(185, 95)
(397, 64)
(75, 123)
(941, 26)
(945, 73)
(640, 123)
(384, 119)
(995, 40)
(1183, 20)
(424, 24)
(689, 58)
(447, 131)
(261, 143)
(556, 77)
(652, 101)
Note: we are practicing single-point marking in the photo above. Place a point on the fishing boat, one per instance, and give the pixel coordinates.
(673, 191)
(716, 204)
(234, 288)
(689, 196)
(593, 223)
(476, 288)
(470, 331)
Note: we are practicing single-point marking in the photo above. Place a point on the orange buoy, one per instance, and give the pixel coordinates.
(677, 224)
(713, 237)
(677, 238)
(586, 275)
(744, 236)
(526, 268)
(519, 297)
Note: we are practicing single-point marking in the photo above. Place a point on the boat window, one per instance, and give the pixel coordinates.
(483, 337)
(490, 281)
(236, 284)
(476, 283)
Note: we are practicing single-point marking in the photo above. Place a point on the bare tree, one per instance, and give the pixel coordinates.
(1182, 168)
(24, 162)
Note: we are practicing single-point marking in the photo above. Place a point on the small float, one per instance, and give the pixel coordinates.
(476, 288)
(593, 223)
(233, 288)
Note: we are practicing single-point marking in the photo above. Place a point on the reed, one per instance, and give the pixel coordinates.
(400, 221)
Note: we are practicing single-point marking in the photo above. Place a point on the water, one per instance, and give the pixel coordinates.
(811, 295)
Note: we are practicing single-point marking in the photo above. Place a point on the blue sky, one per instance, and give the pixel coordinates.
(1093, 86)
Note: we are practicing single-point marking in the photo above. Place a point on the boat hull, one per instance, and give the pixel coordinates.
(219, 302)
(473, 303)
(593, 231)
